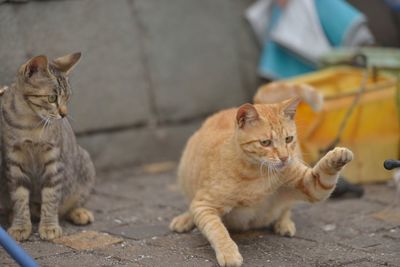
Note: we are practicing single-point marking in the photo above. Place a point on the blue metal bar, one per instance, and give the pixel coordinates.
(15, 251)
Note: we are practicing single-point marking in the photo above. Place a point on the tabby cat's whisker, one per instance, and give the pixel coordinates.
(46, 121)
(70, 118)
(42, 121)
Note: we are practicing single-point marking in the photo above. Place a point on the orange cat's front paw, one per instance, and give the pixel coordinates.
(285, 228)
(229, 257)
(338, 157)
(182, 223)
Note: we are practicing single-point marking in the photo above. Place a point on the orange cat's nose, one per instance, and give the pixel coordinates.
(284, 159)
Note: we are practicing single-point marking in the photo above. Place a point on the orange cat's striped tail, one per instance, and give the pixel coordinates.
(276, 92)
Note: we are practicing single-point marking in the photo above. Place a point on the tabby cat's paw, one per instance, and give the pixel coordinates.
(182, 223)
(50, 232)
(81, 216)
(229, 257)
(285, 228)
(20, 232)
(339, 157)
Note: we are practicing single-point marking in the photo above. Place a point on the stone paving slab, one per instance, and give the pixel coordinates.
(138, 206)
(87, 240)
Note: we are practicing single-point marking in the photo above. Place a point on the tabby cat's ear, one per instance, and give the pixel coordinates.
(246, 114)
(290, 107)
(37, 65)
(67, 63)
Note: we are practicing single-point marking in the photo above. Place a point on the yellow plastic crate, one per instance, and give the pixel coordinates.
(372, 131)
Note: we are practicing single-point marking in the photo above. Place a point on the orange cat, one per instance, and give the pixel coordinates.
(242, 170)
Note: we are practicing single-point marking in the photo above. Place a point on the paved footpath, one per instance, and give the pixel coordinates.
(135, 206)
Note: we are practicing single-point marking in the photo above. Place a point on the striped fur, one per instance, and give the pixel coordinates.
(44, 173)
(275, 92)
(248, 173)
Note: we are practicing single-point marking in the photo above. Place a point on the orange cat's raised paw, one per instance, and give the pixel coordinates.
(339, 157)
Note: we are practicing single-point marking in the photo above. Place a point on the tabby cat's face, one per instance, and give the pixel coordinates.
(45, 85)
(267, 133)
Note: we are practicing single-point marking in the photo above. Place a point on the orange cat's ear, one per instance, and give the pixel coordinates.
(37, 65)
(290, 107)
(67, 63)
(246, 113)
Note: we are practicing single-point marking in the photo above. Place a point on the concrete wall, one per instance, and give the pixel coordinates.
(151, 69)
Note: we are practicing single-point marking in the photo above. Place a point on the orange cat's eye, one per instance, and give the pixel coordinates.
(289, 139)
(265, 142)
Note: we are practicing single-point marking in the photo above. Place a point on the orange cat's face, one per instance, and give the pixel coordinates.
(267, 133)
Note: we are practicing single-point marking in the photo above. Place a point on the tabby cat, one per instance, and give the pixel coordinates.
(44, 173)
(242, 170)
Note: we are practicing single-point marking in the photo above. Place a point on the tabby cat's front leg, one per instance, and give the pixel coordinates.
(21, 225)
(49, 227)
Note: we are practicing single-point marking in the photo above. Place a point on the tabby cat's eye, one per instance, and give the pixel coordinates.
(265, 142)
(52, 98)
(289, 139)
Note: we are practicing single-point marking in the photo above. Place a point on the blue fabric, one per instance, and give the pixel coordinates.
(336, 17)
(277, 62)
